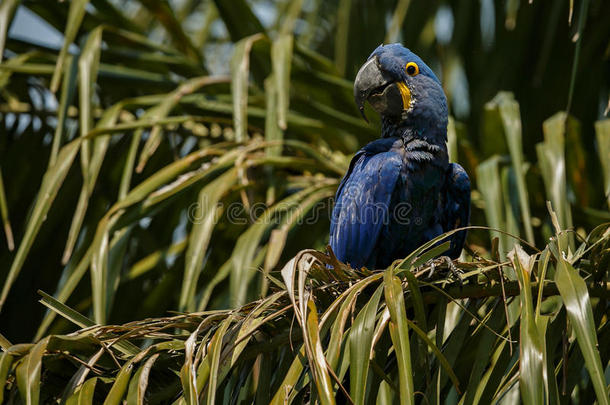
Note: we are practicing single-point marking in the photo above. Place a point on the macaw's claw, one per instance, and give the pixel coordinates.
(442, 264)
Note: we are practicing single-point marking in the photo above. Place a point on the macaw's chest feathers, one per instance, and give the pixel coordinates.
(418, 152)
(397, 194)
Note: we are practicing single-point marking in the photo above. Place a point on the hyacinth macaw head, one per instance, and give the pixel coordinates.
(401, 88)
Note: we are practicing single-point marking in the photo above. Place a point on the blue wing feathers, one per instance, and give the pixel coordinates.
(362, 205)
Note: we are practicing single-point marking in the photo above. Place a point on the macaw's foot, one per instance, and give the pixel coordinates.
(443, 267)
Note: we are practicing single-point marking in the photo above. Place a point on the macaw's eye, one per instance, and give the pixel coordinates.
(412, 69)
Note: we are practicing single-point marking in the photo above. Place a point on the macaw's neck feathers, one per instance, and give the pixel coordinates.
(434, 131)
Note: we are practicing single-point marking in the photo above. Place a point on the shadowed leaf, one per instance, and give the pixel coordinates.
(51, 183)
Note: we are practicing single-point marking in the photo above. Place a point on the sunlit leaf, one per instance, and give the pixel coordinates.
(88, 65)
(100, 145)
(240, 70)
(491, 187)
(28, 373)
(342, 37)
(360, 340)
(508, 109)
(75, 17)
(8, 231)
(602, 132)
(119, 387)
(281, 55)
(553, 166)
(204, 214)
(139, 384)
(6, 360)
(7, 9)
(578, 306)
(84, 394)
(316, 356)
(68, 90)
(531, 359)
(400, 335)
(214, 359)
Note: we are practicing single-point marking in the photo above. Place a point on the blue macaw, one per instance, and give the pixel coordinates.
(400, 191)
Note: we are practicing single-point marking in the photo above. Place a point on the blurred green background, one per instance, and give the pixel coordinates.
(124, 123)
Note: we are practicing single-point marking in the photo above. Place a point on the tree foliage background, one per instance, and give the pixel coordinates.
(175, 155)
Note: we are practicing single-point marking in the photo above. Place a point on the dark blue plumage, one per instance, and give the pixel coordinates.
(400, 191)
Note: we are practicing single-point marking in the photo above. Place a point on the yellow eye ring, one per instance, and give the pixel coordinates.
(412, 69)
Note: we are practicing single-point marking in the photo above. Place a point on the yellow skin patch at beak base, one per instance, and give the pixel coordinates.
(406, 95)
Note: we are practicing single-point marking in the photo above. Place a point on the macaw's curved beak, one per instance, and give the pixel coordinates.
(387, 97)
